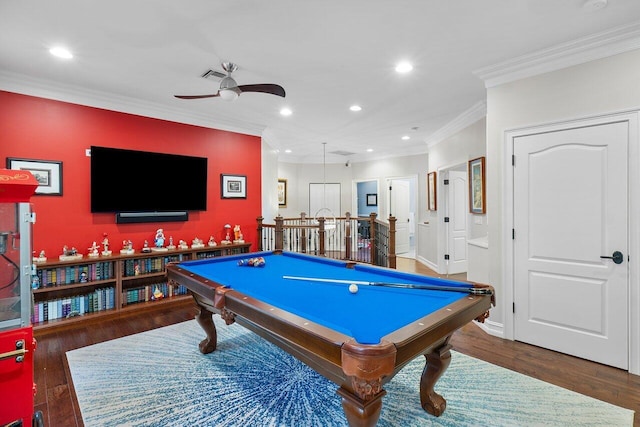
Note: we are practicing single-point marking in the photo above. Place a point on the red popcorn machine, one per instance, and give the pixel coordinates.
(17, 345)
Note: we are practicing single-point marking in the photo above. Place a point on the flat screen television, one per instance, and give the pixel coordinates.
(146, 182)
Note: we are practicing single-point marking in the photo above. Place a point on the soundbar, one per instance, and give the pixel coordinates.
(139, 217)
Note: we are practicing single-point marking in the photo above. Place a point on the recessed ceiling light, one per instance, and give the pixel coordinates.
(404, 67)
(287, 151)
(286, 112)
(60, 52)
(355, 108)
(406, 137)
(369, 150)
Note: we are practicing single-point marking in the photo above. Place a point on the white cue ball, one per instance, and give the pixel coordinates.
(353, 288)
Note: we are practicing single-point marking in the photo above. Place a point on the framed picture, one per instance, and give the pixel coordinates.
(476, 186)
(48, 173)
(282, 193)
(372, 199)
(432, 203)
(233, 186)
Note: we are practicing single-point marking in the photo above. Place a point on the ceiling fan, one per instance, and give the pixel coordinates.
(229, 89)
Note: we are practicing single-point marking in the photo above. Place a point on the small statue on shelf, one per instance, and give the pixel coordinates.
(237, 234)
(40, 258)
(93, 250)
(227, 237)
(183, 245)
(212, 242)
(105, 245)
(145, 248)
(69, 254)
(127, 248)
(171, 246)
(197, 243)
(159, 241)
(84, 278)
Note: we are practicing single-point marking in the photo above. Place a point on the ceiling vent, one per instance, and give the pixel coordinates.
(342, 153)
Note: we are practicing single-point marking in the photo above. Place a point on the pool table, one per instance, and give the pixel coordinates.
(357, 338)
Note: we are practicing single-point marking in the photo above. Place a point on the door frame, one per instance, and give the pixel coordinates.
(633, 118)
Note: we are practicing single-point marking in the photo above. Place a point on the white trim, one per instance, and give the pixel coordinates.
(11, 82)
(633, 118)
(467, 118)
(596, 46)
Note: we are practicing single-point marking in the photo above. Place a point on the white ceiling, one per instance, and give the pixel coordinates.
(134, 55)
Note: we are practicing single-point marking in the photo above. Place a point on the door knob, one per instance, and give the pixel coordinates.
(616, 257)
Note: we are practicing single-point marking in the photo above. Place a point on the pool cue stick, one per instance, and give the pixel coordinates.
(472, 290)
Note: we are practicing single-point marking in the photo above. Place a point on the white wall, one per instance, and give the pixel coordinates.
(469, 143)
(299, 176)
(603, 86)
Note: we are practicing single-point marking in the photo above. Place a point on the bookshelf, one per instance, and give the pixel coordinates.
(89, 289)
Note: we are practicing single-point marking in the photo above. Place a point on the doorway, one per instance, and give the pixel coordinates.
(454, 217)
(567, 264)
(402, 205)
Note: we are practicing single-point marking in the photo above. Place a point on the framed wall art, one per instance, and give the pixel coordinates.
(282, 193)
(432, 203)
(476, 186)
(372, 199)
(233, 186)
(48, 173)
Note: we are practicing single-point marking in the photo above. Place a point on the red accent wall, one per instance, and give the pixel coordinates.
(42, 129)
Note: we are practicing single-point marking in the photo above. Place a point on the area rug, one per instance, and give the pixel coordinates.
(159, 378)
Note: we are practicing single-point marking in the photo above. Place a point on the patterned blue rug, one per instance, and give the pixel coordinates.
(159, 378)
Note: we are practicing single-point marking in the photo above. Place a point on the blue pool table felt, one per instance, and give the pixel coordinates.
(367, 315)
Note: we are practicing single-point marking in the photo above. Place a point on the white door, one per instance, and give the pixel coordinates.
(400, 209)
(570, 209)
(457, 212)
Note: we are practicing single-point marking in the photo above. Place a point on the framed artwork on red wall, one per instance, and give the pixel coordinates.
(233, 186)
(48, 173)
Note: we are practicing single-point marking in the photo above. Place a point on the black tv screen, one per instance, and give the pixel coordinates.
(141, 181)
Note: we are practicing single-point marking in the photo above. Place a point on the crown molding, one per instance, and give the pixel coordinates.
(596, 46)
(25, 85)
(467, 118)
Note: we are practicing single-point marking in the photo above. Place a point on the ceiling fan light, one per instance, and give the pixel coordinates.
(228, 94)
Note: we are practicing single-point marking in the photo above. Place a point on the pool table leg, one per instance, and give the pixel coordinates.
(437, 362)
(358, 412)
(205, 320)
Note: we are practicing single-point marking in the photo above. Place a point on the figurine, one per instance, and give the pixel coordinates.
(127, 247)
(212, 242)
(237, 235)
(136, 270)
(145, 248)
(171, 246)
(159, 239)
(40, 258)
(227, 238)
(197, 243)
(35, 282)
(105, 245)
(183, 245)
(69, 254)
(93, 250)
(83, 277)
(157, 294)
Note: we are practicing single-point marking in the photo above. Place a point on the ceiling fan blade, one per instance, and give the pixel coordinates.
(272, 89)
(196, 96)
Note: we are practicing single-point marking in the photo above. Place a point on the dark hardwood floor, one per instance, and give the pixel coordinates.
(56, 400)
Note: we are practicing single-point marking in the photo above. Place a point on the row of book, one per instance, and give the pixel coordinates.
(152, 292)
(135, 267)
(99, 300)
(75, 274)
